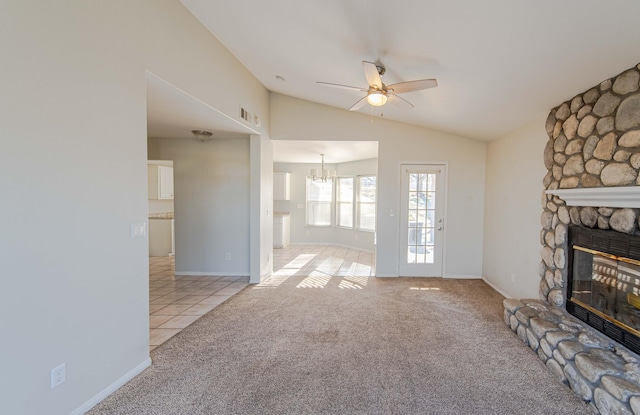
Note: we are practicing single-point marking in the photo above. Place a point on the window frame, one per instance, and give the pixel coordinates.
(351, 202)
(331, 203)
(358, 203)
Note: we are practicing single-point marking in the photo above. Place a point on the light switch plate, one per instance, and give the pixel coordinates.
(138, 230)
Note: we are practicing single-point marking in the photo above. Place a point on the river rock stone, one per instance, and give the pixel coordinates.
(574, 213)
(574, 165)
(555, 368)
(605, 125)
(524, 314)
(603, 223)
(563, 112)
(628, 115)
(540, 327)
(589, 339)
(576, 103)
(569, 183)
(560, 158)
(591, 96)
(552, 207)
(589, 180)
(548, 154)
(587, 125)
(623, 220)
(557, 356)
(635, 160)
(621, 155)
(549, 239)
(513, 323)
(550, 123)
(533, 341)
(548, 277)
(593, 367)
(570, 348)
(620, 388)
(556, 337)
(554, 221)
(606, 211)
(558, 278)
(630, 139)
(589, 216)
(605, 148)
(605, 85)
(584, 111)
(557, 172)
(547, 256)
(606, 104)
(556, 297)
(618, 174)
(563, 215)
(560, 235)
(553, 185)
(544, 288)
(559, 258)
(590, 146)
(574, 147)
(560, 143)
(635, 405)
(578, 383)
(570, 127)
(626, 82)
(547, 179)
(594, 166)
(512, 304)
(522, 334)
(608, 405)
(557, 129)
(545, 220)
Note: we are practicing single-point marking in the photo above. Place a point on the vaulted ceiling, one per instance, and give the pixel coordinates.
(499, 63)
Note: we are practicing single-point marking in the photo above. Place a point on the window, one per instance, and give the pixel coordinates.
(344, 202)
(319, 202)
(366, 203)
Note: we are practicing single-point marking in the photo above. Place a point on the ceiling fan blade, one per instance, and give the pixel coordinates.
(357, 88)
(361, 103)
(372, 75)
(410, 86)
(400, 102)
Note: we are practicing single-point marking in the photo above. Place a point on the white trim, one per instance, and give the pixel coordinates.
(615, 197)
(462, 277)
(213, 274)
(112, 388)
(490, 284)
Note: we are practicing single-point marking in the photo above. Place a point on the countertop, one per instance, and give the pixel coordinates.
(280, 213)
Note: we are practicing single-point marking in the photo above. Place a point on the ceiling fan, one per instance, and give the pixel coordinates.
(378, 93)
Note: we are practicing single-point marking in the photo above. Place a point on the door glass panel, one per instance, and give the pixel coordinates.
(421, 215)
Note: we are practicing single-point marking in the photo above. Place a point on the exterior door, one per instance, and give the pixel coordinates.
(422, 220)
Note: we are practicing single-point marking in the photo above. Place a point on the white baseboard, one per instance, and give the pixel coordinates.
(463, 277)
(213, 274)
(112, 388)
(504, 294)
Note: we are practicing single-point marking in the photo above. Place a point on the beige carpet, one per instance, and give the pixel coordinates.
(321, 345)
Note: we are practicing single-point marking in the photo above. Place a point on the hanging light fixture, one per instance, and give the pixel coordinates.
(324, 174)
(377, 98)
(202, 135)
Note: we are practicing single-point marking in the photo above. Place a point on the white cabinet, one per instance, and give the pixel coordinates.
(281, 231)
(160, 181)
(281, 186)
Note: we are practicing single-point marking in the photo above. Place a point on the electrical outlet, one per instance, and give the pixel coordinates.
(228, 257)
(58, 375)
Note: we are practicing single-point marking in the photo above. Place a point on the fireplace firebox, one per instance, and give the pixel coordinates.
(604, 282)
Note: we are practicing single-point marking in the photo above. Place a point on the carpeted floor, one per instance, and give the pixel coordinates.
(348, 345)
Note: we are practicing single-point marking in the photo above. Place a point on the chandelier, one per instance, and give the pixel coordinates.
(324, 174)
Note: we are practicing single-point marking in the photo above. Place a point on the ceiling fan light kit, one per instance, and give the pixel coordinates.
(378, 93)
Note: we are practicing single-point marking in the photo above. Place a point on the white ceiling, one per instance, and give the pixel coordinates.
(499, 63)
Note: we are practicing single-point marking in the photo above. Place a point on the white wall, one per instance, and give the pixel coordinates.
(73, 88)
(261, 220)
(295, 119)
(211, 190)
(512, 210)
(321, 235)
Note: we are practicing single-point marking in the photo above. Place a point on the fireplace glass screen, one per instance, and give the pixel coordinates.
(607, 285)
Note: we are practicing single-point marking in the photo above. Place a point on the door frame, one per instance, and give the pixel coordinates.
(445, 193)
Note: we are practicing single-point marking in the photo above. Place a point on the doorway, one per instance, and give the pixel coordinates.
(422, 221)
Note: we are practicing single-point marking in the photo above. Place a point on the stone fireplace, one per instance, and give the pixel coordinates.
(593, 160)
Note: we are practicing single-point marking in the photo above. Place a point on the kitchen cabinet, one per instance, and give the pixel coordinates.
(160, 181)
(281, 186)
(281, 231)
(161, 237)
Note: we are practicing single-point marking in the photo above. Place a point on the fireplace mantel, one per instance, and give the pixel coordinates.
(614, 197)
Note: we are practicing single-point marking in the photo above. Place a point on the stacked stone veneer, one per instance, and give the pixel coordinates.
(594, 141)
(595, 367)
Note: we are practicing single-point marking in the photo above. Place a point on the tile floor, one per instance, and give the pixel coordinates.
(177, 301)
